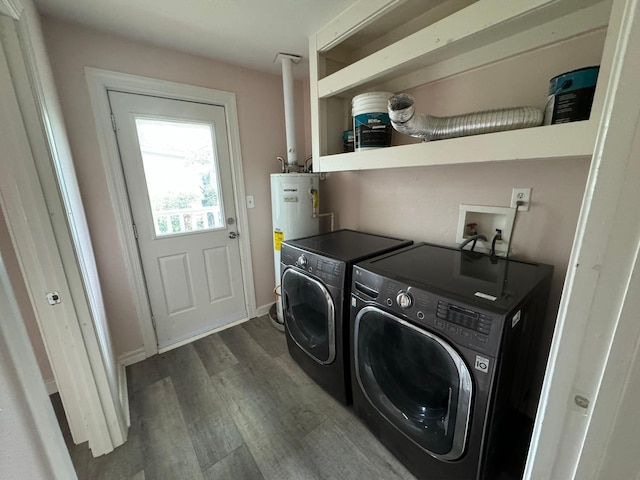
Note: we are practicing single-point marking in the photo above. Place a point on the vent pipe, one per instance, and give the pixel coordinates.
(288, 60)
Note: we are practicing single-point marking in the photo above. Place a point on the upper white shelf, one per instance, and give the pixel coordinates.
(554, 141)
(480, 34)
(393, 45)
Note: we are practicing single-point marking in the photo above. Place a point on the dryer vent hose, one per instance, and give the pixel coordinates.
(405, 120)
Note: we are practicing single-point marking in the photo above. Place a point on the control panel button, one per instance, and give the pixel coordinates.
(404, 300)
(302, 261)
(420, 315)
(389, 302)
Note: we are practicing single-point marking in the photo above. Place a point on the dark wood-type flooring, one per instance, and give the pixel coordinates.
(235, 406)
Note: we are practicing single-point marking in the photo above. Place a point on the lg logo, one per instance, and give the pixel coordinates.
(482, 364)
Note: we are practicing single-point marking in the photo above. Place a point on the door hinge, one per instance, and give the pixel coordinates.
(113, 122)
(155, 331)
(135, 231)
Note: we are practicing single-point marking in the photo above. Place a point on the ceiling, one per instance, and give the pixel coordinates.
(249, 33)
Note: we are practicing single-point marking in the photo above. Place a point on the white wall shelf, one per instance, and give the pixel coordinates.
(459, 38)
(484, 33)
(553, 141)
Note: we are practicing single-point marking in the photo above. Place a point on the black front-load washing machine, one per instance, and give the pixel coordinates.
(315, 281)
(444, 348)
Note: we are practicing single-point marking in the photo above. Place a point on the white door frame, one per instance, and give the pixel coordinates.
(588, 407)
(100, 81)
(51, 243)
(27, 399)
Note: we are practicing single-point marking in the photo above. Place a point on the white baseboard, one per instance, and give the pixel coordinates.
(129, 358)
(51, 386)
(201, 335)
(139, 355)
(263, 310)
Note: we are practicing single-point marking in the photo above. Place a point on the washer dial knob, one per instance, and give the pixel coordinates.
(302, 261)
(404, 300)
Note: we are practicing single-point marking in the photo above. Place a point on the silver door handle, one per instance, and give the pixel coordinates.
(233, 234)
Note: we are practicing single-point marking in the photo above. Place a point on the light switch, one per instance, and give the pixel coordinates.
(250, 201)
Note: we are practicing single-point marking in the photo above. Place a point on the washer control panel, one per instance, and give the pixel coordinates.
(464, 317)
(330, 271)
(404, 300)
(462, 323)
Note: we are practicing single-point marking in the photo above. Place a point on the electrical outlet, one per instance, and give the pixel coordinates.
(521, 194)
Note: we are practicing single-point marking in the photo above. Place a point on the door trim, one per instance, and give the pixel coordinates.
(99, 82)
(51, 247)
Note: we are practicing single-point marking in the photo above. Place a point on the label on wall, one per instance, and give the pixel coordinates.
(278, 238)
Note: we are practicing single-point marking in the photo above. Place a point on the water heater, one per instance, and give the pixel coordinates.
(294, 206)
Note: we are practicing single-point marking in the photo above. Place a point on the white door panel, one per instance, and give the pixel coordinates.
(177, 166)
(177, 286)
(217, 262)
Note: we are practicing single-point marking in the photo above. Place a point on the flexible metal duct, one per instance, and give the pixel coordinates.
(405, 120)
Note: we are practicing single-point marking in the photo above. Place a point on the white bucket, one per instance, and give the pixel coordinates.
(371, 123)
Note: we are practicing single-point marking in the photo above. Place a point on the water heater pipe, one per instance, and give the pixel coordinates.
(406, 120)
(289, 108)
(330, 214)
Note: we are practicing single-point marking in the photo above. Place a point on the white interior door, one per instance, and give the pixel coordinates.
(177, 165)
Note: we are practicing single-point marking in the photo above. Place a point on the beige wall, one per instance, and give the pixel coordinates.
(261, 117)
(422, 204)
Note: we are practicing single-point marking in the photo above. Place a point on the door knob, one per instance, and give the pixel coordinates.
(233, 234)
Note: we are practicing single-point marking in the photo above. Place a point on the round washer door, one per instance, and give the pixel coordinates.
(415, 380)
(309, 315)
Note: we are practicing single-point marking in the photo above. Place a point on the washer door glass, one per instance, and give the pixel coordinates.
(415, 380)
(309, 315)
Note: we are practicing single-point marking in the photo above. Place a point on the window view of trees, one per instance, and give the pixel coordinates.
(181, 174)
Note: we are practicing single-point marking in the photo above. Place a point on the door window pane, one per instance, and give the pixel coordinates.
(181, 172)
